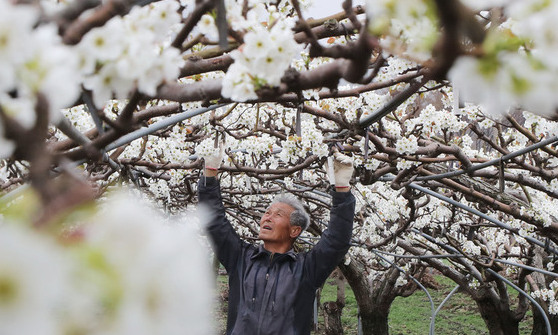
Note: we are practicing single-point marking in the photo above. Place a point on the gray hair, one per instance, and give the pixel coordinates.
(299, 217)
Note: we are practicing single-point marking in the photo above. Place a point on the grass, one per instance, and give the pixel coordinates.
(459, 314)
(408, 316)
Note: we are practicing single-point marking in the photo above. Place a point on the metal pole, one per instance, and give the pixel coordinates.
(315, 313)
(531, 268)
(527, 267)
(419, 257)
(158, 126)
(495, 161)
(393, 103)
(432, 321)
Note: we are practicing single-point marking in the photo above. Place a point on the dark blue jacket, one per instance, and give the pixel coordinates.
(273, 294)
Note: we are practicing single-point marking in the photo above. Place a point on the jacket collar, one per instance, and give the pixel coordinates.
(261, 251)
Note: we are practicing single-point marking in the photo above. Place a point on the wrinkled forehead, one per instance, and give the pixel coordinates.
(281, 207)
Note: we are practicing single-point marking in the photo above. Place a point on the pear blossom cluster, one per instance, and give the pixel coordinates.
(33, 62)
(548, 295)
(406, 145)
(206, 148)
(266, 54)
(403, 164)
(539, 126)
(52, 7)
(25, 306)
(260, 145)
(310, 141)
(519, 66)
(131, 52)
(407, 28)
(118, 271)
(78, 117)
(436, 122)
(471, 248)
(401, 280)
(370, 164)
(474, 283)
(440, 212)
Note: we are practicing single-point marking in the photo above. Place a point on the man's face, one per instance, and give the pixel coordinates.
(275, 225)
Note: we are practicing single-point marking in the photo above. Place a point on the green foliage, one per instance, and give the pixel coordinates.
(459, 315)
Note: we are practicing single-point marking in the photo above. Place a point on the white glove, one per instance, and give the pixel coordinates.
(339, 169)
(214, 160)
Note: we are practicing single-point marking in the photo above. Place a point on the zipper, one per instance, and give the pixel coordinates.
(262, 311)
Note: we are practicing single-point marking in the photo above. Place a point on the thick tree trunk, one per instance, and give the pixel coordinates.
(374, 309)
(334, 309)
(498, 322)
(340, 281)
(375, 322)
(332, 318)
(539, 326)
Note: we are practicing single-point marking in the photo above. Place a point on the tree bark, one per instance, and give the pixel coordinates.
(334, 309)
(315, 322)
(537, 281)
(332, 318)
(375, 322)
(498, 321)
(539, 326)
(374, 301)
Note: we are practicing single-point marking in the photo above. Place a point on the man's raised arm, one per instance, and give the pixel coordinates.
(336, 239)
(226, 243)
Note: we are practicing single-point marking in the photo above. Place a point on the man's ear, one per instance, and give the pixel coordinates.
(295, 231)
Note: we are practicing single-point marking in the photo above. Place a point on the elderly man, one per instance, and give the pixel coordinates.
(272, 288)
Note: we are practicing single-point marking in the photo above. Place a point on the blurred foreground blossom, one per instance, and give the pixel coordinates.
(33, 277)
(33, 62)
(125, 270)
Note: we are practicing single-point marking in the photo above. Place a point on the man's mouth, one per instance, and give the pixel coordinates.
(266, 227)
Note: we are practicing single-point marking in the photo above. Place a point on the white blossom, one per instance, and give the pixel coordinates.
(474, 283)
(133, 52)
(406, 145)
(471, 248)
(158, 291)
(16, 22)
(407, 28)
(207, 27)
(33, 280)
(520, 70)
(262, 60)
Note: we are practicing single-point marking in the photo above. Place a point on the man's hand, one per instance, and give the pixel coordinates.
(340, 170)
(213, 161)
